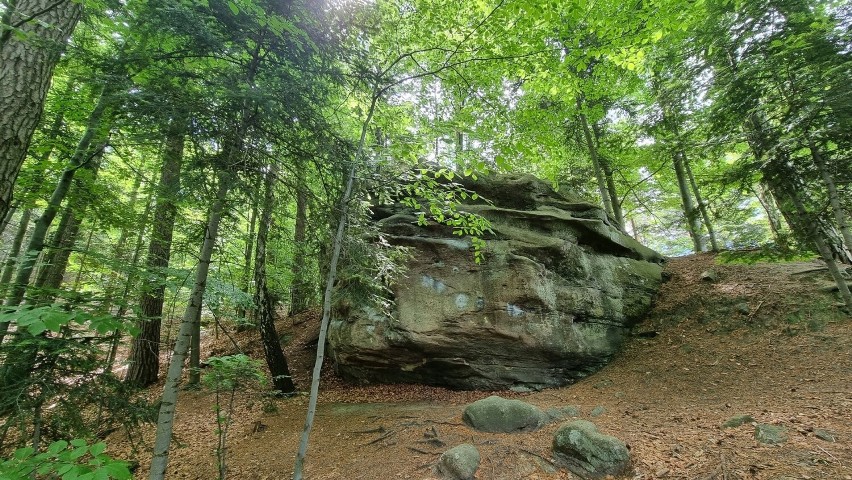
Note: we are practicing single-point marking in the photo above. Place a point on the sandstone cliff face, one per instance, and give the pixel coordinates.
(553, 301)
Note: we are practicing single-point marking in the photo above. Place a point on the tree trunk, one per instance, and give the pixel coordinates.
(55, 262)
(301, 291)
(702, 207)
(144, 358)
(9, 267)
(326, 302)
(600, 176)
(8, 218)
(617, 212)
(693, 225)
(247, 254)
(833, 197)
(26, 68)
(275, 359)
(168, 401)
(773, 217)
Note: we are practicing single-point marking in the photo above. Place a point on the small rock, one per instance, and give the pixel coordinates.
(708, 276)
(459, 463)
(588, 453)
(824, 435)
(496, 414)
(562, 412)
(598, 411)
(742, 308)
(770, 434)
(602, 384)
(738, 420)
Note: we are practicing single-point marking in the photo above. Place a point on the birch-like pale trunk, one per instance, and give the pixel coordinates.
(168, 401)
(326, 301)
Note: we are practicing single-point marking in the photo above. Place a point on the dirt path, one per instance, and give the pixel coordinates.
(761, 340)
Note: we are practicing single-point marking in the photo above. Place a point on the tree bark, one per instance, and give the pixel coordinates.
(693, 225)
(596, 164)
(144, 358)
(26, 68)
(282, 382)
(837, 209)
(168, 401)
(702, 207)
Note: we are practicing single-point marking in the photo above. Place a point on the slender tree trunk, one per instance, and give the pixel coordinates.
(837, 209)
(52, 273)
(144, 359)
(773, 217)
(83, 256)
(702, 207)
(301, 291)
(194, 379)
(168, 402)
(600, 175)
(8, 218)
(247, 254)
(275, 359)
(692, 222)
(326, 302)
(26, 68)
(606, 165)
(9, 267)
(128, 284)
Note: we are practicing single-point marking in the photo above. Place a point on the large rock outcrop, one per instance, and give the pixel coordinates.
(552, 302)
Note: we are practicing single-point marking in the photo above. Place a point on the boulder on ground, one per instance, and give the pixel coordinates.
(588, 453)
(556, 295)
(499, 415)
(770, 434)
(738, 420)
(459, 463)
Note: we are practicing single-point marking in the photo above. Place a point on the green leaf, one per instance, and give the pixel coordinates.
(57, 447)
(234, 8)
(97, 449)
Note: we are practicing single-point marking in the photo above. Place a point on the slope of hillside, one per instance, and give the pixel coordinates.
(765, 340)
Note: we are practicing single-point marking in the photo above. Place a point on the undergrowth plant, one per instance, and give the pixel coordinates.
(226, 376)
(74, 460)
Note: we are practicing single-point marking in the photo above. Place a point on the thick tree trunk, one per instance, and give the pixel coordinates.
(837, 209)
(144, 359)
(26, 68)
(693, 225)
(168, 401)
(275, 359)
(702, 207)
(301, 292)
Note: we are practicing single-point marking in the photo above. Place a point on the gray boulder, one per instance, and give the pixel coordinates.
(459, 463)
(770, 434)
(588, 453)
(552, 302)
(496, 414)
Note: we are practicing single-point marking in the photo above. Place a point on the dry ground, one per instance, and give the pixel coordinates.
(763, 340)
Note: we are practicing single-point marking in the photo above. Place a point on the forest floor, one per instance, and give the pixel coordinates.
(765, 340)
